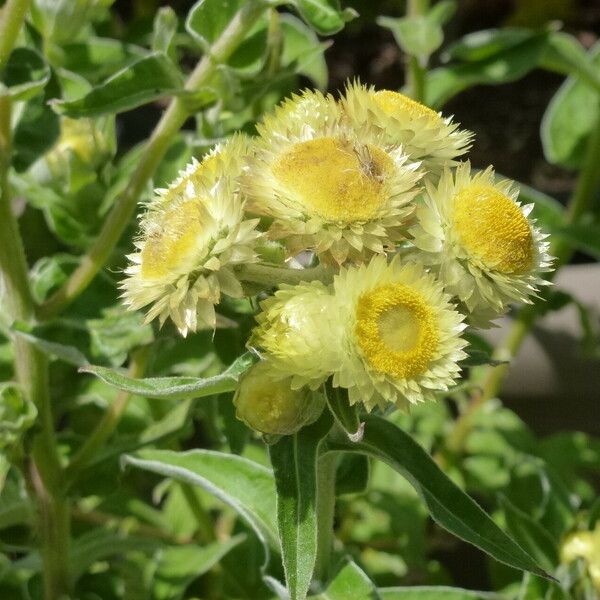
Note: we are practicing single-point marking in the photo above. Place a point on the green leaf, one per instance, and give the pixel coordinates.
(97, 58)
(117, 333)
(345, 415)
(324, 16)
(294, 459)
(584, 236)
(174, 388)
(352, 475)
(501, 61)
(566, 55)
(299, 44)
(178, 566)
(64, 352)
(487, 43)
(569, 119)
(208, 19)
(448, 505)
(530, 535)
(139, 83)
(24, 75)
(17, 414)
(417, 36)
(479, 352)
(165, 27)
(435, 593)
(37, 129)
(247, 487)
(350, 583)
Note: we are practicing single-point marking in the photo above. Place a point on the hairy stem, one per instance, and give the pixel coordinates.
(273, 276)
(12, 15)
(31, 369)
(109, 421)
(168, 126)
(326, 470)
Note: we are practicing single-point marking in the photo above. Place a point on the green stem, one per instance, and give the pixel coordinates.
(168, 126)
(580, 202)
(326, 470)
(31, 368)
(203, 520)
(273, 276)
(415, 71)
(109, 421)
(12, 15)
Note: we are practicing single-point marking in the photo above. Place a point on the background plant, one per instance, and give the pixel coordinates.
(72, 520)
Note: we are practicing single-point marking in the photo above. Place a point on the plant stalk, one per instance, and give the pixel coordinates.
(168, 126)
(273, 276)
(326, 470)
(31, 368)
(12, 15)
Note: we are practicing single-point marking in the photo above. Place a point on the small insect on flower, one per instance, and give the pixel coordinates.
(401, 338)
(193, 234)
(326, 188)
(271, 406)
(424, 134)
(477, 237)
(297, 332)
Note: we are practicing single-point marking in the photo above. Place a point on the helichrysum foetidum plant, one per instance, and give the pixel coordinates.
(413, 246)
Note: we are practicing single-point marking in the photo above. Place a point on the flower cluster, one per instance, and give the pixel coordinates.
(414, 247)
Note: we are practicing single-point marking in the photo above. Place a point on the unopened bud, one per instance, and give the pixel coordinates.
(271, 406)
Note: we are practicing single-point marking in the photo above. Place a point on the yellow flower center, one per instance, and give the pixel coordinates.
(396, 330)
(334, 179)
(493, 228)
(174, 243)
(393, 103)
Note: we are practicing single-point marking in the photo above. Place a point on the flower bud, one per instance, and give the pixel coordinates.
(271, 406)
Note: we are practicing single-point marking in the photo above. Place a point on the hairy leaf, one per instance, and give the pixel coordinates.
(294, 459)
(174, 388)
(448, 505)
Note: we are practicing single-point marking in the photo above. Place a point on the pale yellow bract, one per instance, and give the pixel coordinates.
(342, 195)
(424, 134)
(193, 234)
(477, 238)
(401, 335)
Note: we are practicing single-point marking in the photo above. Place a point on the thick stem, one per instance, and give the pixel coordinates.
(273, 276)
(168, 126)
(109, 421)
(12, 15)
(31, 368)
(326, 470)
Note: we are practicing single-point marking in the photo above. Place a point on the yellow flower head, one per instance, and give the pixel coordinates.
(297, 333)
(193, 234)
(477, 237)
(424, 134)
(327, 189)
(270, 405)
(401, 337)
(586, 545)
